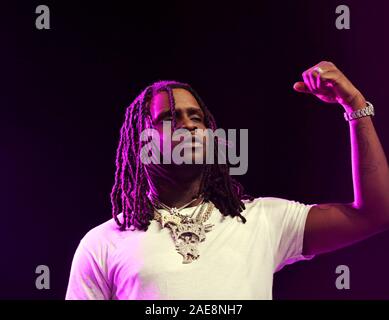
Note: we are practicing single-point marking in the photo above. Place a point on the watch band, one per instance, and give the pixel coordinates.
(364, 112)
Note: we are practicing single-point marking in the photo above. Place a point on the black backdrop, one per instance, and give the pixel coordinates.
(64, 93)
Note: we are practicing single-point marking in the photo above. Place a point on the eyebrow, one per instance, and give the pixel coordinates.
(190, 110)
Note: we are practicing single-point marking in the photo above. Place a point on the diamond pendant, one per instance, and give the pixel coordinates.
(187, 248)
(187, 236)
(168, 218)
(187, 232)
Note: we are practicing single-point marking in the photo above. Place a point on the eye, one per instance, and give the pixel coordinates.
(197, 118)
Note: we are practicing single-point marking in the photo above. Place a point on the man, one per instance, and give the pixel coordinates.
(188, 231)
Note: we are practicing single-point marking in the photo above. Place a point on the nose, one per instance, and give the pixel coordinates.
(188, 123)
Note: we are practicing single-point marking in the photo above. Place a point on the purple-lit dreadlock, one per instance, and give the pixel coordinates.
(129, 193)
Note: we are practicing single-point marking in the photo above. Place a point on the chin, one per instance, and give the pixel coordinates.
(198, 155)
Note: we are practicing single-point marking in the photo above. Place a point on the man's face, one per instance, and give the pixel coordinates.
(189, 116)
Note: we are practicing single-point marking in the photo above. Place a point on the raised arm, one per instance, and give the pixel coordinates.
(334, 225)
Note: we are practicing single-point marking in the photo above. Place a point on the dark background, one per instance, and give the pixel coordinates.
(64, 92)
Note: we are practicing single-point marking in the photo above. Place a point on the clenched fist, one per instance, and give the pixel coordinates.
(329, 84)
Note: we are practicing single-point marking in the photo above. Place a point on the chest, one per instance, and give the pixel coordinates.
(234, 263)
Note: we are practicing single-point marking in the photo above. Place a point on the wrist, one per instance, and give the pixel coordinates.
(358, 102)
(360, 113)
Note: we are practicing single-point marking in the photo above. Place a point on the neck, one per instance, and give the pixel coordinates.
(175, 186)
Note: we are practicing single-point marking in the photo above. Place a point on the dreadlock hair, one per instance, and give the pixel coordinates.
(129, 194)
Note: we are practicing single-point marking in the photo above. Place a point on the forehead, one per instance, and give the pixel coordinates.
(182, 97)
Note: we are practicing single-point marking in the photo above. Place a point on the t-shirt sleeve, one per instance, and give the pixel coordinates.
(87, 280)
(286, 219)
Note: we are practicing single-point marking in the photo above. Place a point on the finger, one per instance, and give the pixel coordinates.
(318, 75)
(307, 80)
(329, 78)
(301, 87)
(314, 76)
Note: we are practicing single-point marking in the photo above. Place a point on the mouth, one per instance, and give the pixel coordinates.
(193, 142)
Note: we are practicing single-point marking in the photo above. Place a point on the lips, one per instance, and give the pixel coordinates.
(193, 141)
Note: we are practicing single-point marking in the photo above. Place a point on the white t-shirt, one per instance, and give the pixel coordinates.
(237, 260)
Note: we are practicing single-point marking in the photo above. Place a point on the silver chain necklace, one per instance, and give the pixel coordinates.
(187, 231)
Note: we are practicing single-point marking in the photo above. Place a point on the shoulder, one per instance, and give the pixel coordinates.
(276, 203)
(273, 207)
(105, 233)
(259, 207)
(266, 203)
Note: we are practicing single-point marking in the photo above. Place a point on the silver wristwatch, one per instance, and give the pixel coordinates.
(364, 112)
